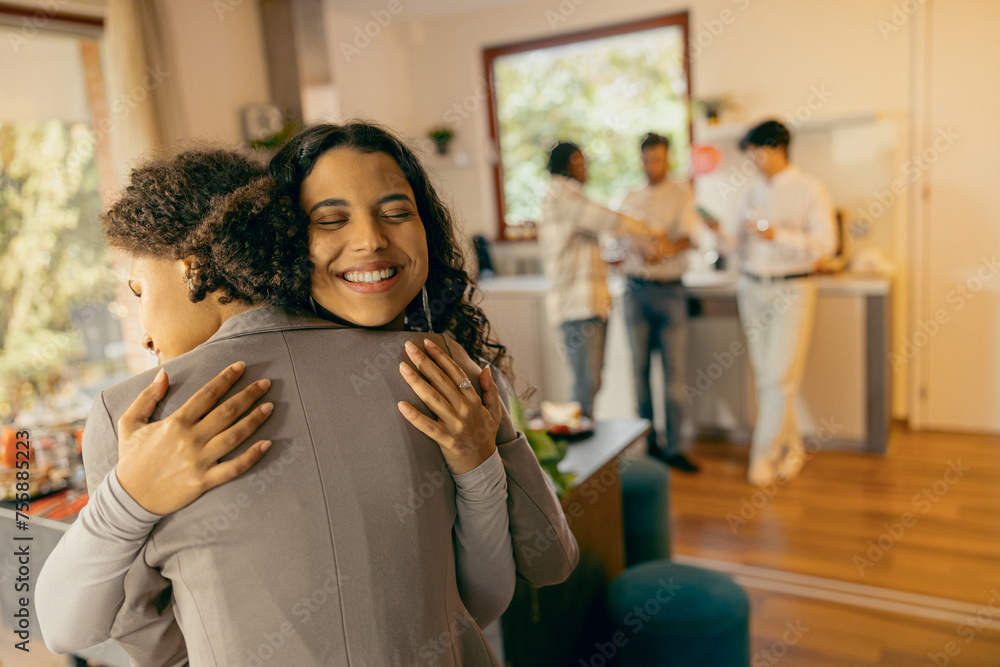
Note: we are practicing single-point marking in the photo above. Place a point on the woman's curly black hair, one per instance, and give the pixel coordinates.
(218, 207)
(450, 288)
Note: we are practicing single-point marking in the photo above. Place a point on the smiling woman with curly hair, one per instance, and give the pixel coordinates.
(189, 549)
(300, 171)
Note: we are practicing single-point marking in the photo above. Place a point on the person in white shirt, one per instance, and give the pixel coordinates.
(655, 300)
(786, 228)
(570, 238)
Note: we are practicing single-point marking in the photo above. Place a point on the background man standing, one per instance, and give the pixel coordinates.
(655, 300)
(786, 228)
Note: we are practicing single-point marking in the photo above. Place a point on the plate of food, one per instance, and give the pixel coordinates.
(563, 421)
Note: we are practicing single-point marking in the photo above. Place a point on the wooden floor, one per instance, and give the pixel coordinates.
(924, 520)
(791, 631)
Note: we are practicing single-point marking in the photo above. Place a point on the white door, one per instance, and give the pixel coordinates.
(957, 332)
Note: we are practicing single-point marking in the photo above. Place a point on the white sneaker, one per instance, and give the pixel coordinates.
(760, 473)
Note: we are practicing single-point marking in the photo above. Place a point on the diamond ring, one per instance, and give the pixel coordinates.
(465, 384)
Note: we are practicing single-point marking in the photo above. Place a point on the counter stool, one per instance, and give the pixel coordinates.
(646, 508)
(667, 614)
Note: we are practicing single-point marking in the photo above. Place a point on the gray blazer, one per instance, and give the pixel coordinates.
(336, 548)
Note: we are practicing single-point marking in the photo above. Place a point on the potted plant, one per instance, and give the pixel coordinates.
(713, 107)
(441, 136)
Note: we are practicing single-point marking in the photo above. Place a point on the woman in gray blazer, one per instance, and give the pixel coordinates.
(401, 574)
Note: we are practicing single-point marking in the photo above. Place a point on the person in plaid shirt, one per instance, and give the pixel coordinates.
(570, 237)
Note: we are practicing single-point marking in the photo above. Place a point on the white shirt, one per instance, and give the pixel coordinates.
(666, 206)
(569, 236)
(798, 209)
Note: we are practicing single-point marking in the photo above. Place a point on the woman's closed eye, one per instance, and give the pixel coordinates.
(397, 215)
(391, 216)
(332, 220)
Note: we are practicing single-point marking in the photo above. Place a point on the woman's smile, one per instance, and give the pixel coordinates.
(372, 277)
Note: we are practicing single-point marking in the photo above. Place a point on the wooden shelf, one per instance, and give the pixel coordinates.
(714, 134)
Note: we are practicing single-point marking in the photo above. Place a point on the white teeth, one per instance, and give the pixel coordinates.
(370, 276)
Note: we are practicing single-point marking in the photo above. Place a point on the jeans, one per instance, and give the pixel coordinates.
(583, 349)
(777, 317)
(656, 318)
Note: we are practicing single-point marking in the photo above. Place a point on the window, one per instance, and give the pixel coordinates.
(60, 332)
(601, 89)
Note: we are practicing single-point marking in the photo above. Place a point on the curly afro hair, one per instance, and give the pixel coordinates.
(450, 288)
(219, 208)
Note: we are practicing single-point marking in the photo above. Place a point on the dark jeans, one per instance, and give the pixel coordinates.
(656, 318)
(583, 349)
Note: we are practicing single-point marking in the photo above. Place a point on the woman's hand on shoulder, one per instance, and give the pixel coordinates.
(466, 426)
(167, 464)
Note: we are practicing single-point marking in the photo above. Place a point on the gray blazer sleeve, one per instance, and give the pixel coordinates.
(484, 560)
(95, 584)
(545, 550)
(74, 611)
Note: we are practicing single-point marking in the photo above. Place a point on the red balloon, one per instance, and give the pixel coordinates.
(705, 159)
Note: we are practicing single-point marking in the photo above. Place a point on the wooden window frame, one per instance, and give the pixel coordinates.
(492, 53)
(24, 11)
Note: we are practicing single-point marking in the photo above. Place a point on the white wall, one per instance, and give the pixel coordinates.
(369, 66)
(217, 52)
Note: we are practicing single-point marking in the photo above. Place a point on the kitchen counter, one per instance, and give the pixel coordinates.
(709, 283)
(846, 383)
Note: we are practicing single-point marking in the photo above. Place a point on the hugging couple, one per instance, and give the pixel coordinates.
(244, 496)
